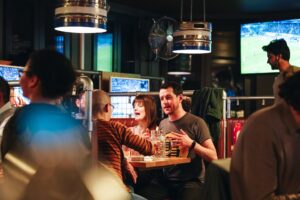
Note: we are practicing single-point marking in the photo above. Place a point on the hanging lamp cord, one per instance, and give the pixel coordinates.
(191, 10)
(204, 11)
(181, 10)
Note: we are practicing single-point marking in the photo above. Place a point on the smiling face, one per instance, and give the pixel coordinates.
(170, 103)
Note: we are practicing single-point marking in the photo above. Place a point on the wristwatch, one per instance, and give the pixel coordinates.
(193, 145)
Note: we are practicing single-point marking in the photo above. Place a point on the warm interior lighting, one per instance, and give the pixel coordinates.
(81, 16)
(193, 37)
(177, 73)
(79, 29)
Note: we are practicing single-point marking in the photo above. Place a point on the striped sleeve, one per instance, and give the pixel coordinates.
(134, 141)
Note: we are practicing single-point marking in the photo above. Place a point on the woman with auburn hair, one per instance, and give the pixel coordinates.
(145, 114)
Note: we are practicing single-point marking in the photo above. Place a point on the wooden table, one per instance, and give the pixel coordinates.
(159, 162)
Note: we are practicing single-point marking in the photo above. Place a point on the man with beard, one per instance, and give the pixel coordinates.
(186, 131)
(278, 54)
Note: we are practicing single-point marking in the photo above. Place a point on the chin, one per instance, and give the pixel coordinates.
(138, 119)
(167, 112)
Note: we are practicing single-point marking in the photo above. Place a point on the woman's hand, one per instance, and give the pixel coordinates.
(147, 134)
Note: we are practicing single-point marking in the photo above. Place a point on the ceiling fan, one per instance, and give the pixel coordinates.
(161, 38)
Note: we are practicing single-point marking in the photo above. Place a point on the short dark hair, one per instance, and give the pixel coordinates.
(278, 46)
(150, 109)
(290, 91)
(177, 89)
(4, 89)
(54, 70)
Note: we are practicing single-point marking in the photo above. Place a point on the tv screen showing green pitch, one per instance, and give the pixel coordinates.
(255, 35)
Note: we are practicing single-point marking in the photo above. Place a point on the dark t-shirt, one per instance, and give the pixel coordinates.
(197, 130)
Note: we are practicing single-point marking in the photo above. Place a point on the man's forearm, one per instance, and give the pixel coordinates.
(204, 152)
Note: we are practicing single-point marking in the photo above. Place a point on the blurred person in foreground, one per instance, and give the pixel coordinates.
(189, 132)
(112, 135)
(278, 54)
(265, 162)
(46, 153)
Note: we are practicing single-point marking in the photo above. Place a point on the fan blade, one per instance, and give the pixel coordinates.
(169, 48)
(157, 30)
(156, 41)
(170, 29)
(161, 38)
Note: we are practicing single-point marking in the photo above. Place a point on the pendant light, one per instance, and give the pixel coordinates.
(81, 16)
(193, 37)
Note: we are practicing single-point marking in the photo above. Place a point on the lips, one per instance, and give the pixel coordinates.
(167, 107)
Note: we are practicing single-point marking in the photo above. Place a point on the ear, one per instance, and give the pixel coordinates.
(106, 107)
(180, 97)
(279, 56)
(77, 102)
(33, 81)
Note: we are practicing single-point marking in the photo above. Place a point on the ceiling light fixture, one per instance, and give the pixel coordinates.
(193, 37)
(81, 16)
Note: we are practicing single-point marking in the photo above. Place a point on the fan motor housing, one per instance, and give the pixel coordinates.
(193, 37)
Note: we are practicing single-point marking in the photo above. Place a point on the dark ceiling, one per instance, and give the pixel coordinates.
(215, 9)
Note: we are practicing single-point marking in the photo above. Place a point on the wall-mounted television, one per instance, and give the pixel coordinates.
(124, 84)
(255, 35)
(123, 104)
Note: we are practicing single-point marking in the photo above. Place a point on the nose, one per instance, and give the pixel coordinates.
(163, 101)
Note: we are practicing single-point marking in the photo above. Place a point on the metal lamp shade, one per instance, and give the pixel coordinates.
(81, 16)
(193, 38)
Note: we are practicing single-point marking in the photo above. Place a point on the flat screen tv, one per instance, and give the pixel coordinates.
(255, 35)
(124, 84)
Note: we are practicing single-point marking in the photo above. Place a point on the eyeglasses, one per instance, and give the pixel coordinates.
(22, 71)
(112, 106)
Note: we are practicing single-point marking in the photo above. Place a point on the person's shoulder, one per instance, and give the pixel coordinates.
(295, 68)
(46, 114)
(110, 123)
(264, 116)
(116, 124)
(192, 118)
(292, 70)
(163, 121)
